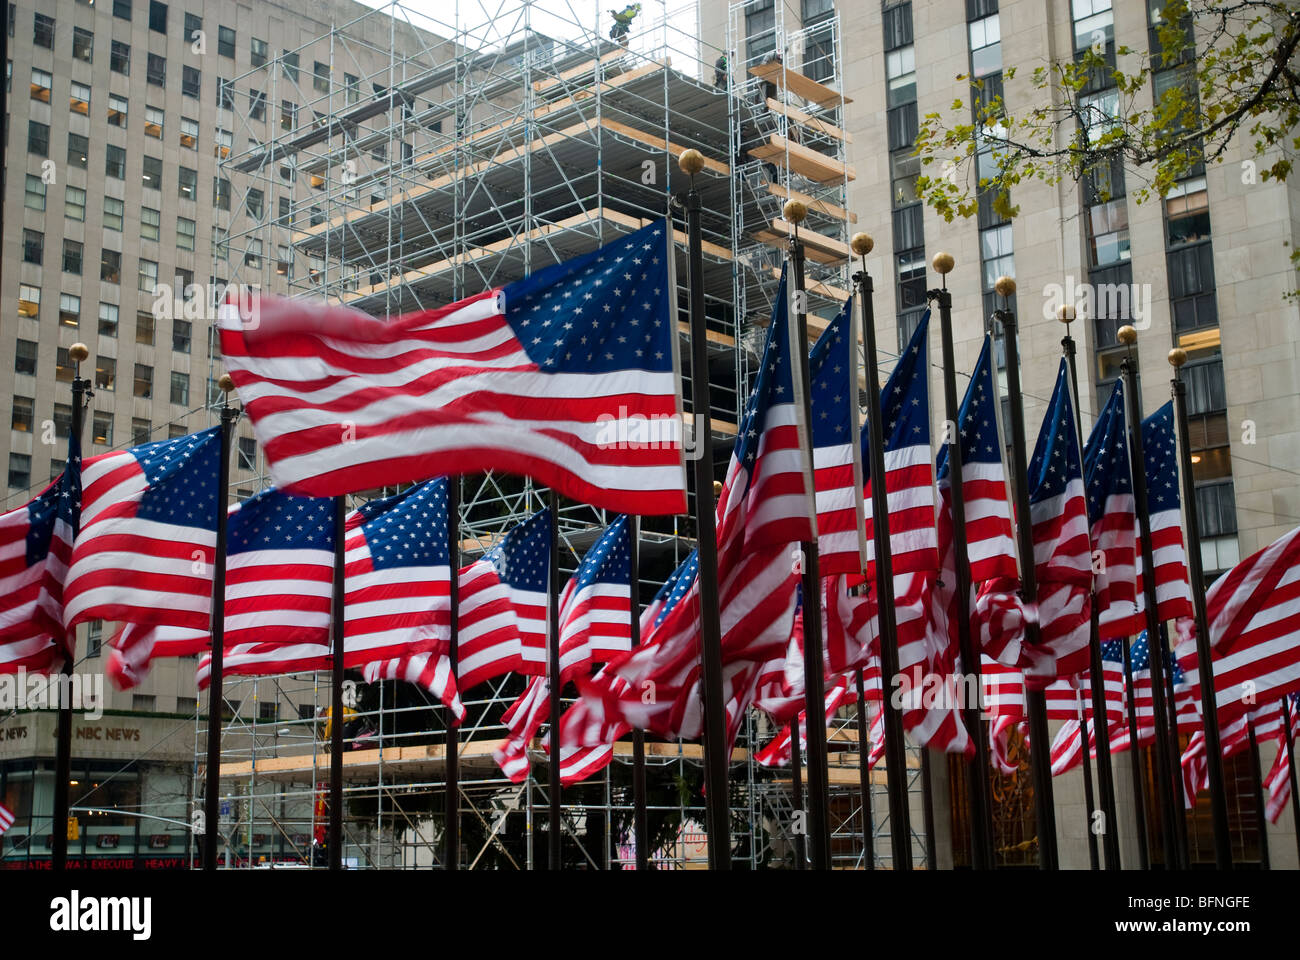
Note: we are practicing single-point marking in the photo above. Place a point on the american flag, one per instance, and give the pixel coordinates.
(764, 511)
(431, 671)
(1113, 519)
(837, 458)
(560, 376)
(1254, 619)
(1173, 593)
(1112, 668)
(909, 479)
(1278, 780)
(778, 753)
(596, 604)
(147, 542)
(522, 561)
(35, 547)
(1004, 708)
(6, 819)
(522, 719)
(1062, 558)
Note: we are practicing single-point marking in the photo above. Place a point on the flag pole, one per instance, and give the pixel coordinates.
(1135, 762)
(555, 788)
(1089, 798)
(336, 693)
(1035, 700)
(212, 797)
(799, 837)
(1290, 763)
(640, 817)
(1204, 653)
(63, 743)
(1258, 775)
(1127, 335)
(1100, 718)
(716, 757)
(451, 786)
(819, 832)
(864, 775)
(1175, 766)
(979, 789)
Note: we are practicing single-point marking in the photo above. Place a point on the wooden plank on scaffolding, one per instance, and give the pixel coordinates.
(808, 120)
(659, 143)
(798, 84)
(819, 206)
(805, 162)
(818, 247)
(586, 66)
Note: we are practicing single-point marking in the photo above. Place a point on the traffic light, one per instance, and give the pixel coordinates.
(74, 828)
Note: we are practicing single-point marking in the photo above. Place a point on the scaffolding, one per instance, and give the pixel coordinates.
(425, 158)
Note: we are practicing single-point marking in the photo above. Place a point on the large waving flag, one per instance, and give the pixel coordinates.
(35, 548)
(522, 562)
(148, 535)
(1112, 519)
(569, 376)
(837, 457)
(1062, 549)
(1159, 450)
(596, 604)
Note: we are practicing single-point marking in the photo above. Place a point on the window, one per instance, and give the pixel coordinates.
(153, 122)
(256, 203)
(155, 70)
(224, 141)
(896, 22)
(284, 261)
(157, 16)
(285, 215)
(102, 428)
(900, 71)
(119, 58)
(185, 231)
(78, 151)
(110, 266)
(64, 369)
(289, 63)
(122, 9)
(175, 430)
(225, 94)
(257, 104)
(72, 256)
(105, 372)
(25, 357)
(113, 210)
(180, 394)
(34, 193)
(221, 193)
(247, 453)
(182, 332)
(352, 88)
(226, 42)
(115, 162)
(189, 133)
(257, 52)
(141, 428)
(221, 243)
(23, 414)
(901, 123)
(42, 31)
(911, 280)
(320, 79)
(108, 320)
(1099, 113)
(193, 27)
(1108, 233)
(69, 310)
(117, 109)
(151, 174)
(83, 44)
(29, 301)
(63, 414)
(38, 138)
(41, 84)
(985, 46)
(33, 247)
(288, 115)
(191, 81)
(143, 382)
(149, 221)
(20, 471)
(148, 277)
(1094, 24)
(1187, 213)
(253, 255)
(144, 327)
(760, 24)
(79, 98)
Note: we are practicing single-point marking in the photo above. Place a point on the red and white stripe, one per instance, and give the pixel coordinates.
(1173, 589)
(1115, 584)
(31, 598)
(523, 719)
(432, 671)
(7, 819)
(909, 486)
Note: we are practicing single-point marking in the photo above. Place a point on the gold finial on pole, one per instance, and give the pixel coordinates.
(691, 161)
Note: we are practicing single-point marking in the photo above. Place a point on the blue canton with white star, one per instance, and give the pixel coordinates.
(1105, 456)
(601, 312)
(410, 529)
(60, 501)
(831, 370)
(609, 560)
(978, 418)
(1140, 653)
(522, 558)
(1113, 651)
(677, 585)
(905, 401)
(182, 475)
(1056, 455)
(773, 385)
(272, 520)
(1161, 456)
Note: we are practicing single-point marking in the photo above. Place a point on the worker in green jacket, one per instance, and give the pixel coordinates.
(623, 22)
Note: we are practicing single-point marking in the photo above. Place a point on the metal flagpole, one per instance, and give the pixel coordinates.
(1035, 700)
(554, 787)
(1290, 764)
(1155, 649)
(1204, 654)
(640, 817)
(1100, 718)
(1258, 775)
(451, 786)
(1175, 761)
(1135, 762)
(63, 742)
(715, 719)
(1089, 799)
(336, 694)
(819, 833)
(799, 824)
(864, 775)
(979, 790)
